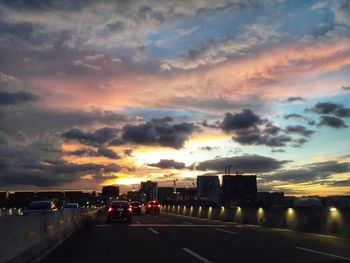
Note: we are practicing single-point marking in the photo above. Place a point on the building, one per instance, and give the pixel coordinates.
(208, 188)
(239, 190)
(80, 197)
(271, 198)
(186, 193)
(165, 194)
(148, 191)
(340, 201)
(110, 191)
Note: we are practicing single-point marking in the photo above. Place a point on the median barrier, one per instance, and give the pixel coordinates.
(326, 220)
(28, 238)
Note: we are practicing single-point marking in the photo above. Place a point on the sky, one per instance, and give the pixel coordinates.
(94, 93)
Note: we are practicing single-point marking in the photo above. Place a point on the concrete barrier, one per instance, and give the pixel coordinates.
(330, 221)
(27, 238)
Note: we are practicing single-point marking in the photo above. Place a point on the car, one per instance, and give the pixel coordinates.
(39, 207)
(119, 211)
(69, 206)
(136, 207)
(153, 207)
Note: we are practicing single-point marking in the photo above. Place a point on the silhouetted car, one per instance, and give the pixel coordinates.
(136, 207)
(38, 207)
(153, 207)
(68, 206)
(119, 211)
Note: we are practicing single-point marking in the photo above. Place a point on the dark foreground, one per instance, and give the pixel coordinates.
(170, 238)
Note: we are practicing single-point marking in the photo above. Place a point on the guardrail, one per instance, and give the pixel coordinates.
(331, 221)
(27, 238)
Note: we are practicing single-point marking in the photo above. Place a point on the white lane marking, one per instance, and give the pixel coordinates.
(154, 231)
(226, 231)
(138, 222)
(199, 257)
(322, 253)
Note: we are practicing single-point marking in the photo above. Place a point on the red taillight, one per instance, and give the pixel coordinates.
(110, 209)
(140, 206)
(130, 209)
(159, 206)
(149, 206)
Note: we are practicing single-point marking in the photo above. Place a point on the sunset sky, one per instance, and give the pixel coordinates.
(119, 92)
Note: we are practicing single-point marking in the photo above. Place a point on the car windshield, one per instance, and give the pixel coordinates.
(135, 203)
(39, 205)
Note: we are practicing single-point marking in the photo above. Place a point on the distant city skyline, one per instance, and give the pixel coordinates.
(95, 93)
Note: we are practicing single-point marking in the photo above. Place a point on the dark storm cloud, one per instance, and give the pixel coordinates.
(47, 120)
(159, 132)
(40, 163)
(332, 109)
(12, 98)
(298, 129)
(168, 164)
(257, 137)
(98, 137)
(128, 152)
(245, 164)
(293, 99)
(243, 120)
(333, 122)
(105, 152)
(311, 172)
(346, 88)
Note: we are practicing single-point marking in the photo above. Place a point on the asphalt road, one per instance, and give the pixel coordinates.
(171, 238)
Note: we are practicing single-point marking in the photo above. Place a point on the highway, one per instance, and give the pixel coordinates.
(174, 238)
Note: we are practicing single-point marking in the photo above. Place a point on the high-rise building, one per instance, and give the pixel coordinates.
(239, 190)
(208, 188)
(165, 194)
(110, 191)
(148, 191)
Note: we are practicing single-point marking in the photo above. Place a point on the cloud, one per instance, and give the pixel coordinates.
(311, 172)
(40, 163)
(345, 88)
(245, 164)
(116, 26)
(102, 151)
(96, 138)
(208, 148)
(342, 13)
(258, 137)
(6, 77)
(293, 99)
(168, 164)
(331, 108)
(159, 132)
(54, 120)
(298, 129)
(12, 98)
(243, 120)
(333, 122)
